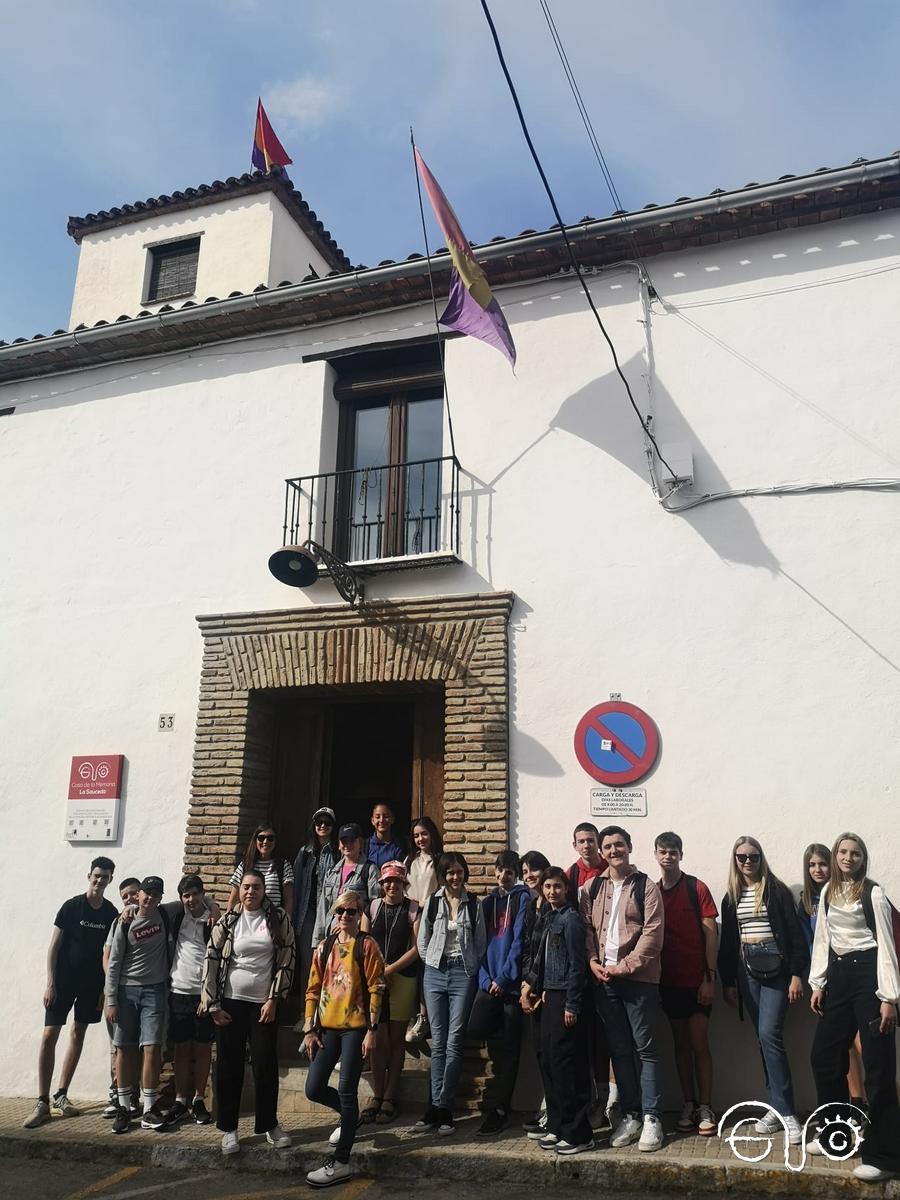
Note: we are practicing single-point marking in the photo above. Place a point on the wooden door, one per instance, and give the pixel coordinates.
(298, 775)
(428, 757)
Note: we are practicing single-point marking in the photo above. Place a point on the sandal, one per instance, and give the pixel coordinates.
(371, 1111)
(387, 1112)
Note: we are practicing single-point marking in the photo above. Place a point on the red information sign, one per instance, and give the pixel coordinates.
(96, 777)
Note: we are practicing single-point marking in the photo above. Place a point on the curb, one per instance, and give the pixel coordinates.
(605, 1172)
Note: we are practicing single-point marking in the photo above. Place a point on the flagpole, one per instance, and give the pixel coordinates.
(437, 325)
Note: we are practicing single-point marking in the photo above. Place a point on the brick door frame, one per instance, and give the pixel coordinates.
(459, 642)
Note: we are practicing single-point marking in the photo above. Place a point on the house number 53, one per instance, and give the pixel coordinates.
(166, 721)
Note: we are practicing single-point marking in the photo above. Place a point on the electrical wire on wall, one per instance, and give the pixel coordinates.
(562, 229)
(786, 489)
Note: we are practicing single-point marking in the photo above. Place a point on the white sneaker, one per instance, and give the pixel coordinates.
(815, 1147)
(652, 1136)
(334, 1137)
(39, 1116)
(627, 1131)
(63, 1105)
(795, 1133)
(231, 1143)
(564, 1147)
(687, 1122)
(418, 1031)
(278, 1138)
(872, 1174)
(331, 1171)
(706, 1121)
(770, 1123)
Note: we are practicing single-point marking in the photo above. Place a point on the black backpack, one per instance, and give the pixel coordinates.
(471, 905)
(638, 890)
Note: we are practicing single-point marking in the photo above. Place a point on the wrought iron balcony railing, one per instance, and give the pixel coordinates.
(369, 513)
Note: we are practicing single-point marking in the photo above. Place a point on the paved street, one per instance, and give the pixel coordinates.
(60, 1181)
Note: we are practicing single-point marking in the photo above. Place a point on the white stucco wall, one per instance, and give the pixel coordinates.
(763, 635)
(244, 242)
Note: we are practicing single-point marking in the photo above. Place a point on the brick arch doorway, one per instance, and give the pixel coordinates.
(452, 647)
(349, 746)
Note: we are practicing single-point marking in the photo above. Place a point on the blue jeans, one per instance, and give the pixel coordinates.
(766, 1002)
(628, 1010)
(449, 992)
(142, 1015)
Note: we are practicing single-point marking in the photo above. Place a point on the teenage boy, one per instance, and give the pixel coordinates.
(136, 987)
(382, 847)
(587, 866)
(74, 980)
(128, 895)
(688, 979)
(589, 863)
(192, 1033)
(623, 915)
(496, 1009)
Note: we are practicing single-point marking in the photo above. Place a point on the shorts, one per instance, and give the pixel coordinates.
(185, 1025)
(401, 998)
(680, 1003)
(142, 1015)
(86, 996)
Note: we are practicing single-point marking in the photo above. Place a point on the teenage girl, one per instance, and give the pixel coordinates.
(816, 873)
(313, 862)
(394, 924)
(428, 846)
(533, 863)
(451, 943)
(278, 873)
(763, 954)
(856, 985)
(556, 982)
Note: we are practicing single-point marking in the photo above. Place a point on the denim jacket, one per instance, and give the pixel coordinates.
(565, 961)
(433, 938)
(309, 874)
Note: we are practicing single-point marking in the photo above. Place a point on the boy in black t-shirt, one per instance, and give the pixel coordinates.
(74, 979)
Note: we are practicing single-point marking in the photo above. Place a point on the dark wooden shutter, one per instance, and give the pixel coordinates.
(174, 269)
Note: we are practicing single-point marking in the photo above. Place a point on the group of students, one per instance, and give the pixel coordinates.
(393, 948)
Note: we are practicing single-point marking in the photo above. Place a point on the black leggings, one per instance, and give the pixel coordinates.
(346, 1045)
(851, 1004)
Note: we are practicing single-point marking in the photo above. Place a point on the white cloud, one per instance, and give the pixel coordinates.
(304, 103)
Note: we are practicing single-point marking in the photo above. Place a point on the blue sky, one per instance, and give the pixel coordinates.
(104, 103)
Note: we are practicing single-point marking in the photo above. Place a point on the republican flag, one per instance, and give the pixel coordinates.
(268, 152)
(471, 307)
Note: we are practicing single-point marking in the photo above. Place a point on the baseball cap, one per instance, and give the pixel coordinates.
(325, 812)
(153, 883)
(393, 870)
(346, 833)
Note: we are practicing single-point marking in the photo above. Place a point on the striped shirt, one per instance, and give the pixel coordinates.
(754, 926)
(269, 871)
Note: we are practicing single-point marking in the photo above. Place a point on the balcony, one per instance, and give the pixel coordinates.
(391, 517)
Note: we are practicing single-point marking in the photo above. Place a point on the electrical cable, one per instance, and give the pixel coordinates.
(783, 489)
(588, 125)
(437, 324)
(562, 229)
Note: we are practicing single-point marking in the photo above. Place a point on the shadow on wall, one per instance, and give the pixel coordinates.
(599, 413)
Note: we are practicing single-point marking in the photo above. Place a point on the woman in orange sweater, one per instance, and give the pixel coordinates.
(343, 1007)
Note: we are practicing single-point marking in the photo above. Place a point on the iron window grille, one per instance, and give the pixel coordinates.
(173, 269)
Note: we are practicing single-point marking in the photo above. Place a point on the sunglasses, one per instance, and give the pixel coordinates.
(747, 858)
(330, 824)
(265, 837)
(348, 912)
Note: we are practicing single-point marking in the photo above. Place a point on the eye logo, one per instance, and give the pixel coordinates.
(840, 1132)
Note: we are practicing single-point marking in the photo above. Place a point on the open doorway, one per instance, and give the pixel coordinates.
(351, 746)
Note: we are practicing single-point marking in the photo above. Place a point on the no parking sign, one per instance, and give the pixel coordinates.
(616, 743)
